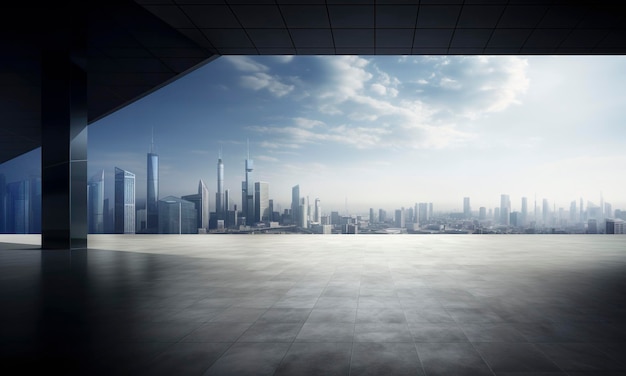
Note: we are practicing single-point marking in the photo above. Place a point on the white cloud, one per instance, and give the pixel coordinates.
(424, 106)
(262, 80)
(378, 89)
(307, 123)
(246, 64)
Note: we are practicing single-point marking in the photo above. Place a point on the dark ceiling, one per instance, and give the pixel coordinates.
(137, 47)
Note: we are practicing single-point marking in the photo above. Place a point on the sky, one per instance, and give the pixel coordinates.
(383, 131)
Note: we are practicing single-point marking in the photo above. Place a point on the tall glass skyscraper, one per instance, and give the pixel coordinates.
(248, 192)
(124, 202)
(201, 204)
(220, 205)
(95, 202)
(505, 210)
(203, 191)
(261, 202)
(295, 204)
(152, 192)
(177, 216)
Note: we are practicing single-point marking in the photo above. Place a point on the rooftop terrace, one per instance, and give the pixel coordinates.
(316, 305)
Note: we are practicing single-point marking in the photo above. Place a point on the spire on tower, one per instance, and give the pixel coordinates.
(152, 141)
(248, 147)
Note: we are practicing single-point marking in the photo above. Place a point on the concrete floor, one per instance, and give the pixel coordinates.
(316, 305)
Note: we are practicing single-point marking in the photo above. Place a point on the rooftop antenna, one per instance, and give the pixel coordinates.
(152, 141)
(248, 147)
(219, 152)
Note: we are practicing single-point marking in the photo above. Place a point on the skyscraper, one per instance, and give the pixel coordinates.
(572, 211)
(546, 212)
(95, 203)
(303, 214)
(203, 191)
(295, 204)
(177, 216)
(399, 218)
(524, 211)
(482, 213)
(467, 210)
(18, 207)
(248, 191)
(505, 210)
(372, 218)
(220, 204)
(201, 205)
(152, 191)
(423, 213)
(226, 200)
(261, 201)
(317, 211)
(124, 202)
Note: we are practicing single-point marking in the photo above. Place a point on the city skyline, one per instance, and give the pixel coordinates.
(340, 127)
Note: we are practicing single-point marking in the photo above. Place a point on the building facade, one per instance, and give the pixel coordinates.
(95, 203)
(124, 202)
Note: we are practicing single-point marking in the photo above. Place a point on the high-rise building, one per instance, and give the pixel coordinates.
(124, 202)
(467, 210)
(382, 216)
(261, 201)
(334, 218)
(221, 205)
(201, 205)
(573, 212)
(496, 215)
(303, 214)
(317, 217)
(18, 207)
(271, 210)
(227, 200)
(423, 213)
(247, 193)
(295, 204)
(203, 191)
(524, 218)
(581, 218)
(545, 212)
(615, 226)
(399, 218)
(482, 213)
(505, 210)
(34, 217)
(372, 218)
(152, 192)
(95, 203)
(177, 216)
(608, 210)
(141, 218)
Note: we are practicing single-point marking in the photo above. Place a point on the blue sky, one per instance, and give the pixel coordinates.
(385, 131)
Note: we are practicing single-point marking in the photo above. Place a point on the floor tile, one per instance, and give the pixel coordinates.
(316, 359)
(451, 359)
(249, 359)
(380, 358)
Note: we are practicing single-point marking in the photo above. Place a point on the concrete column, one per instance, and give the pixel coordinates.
(64, 139)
